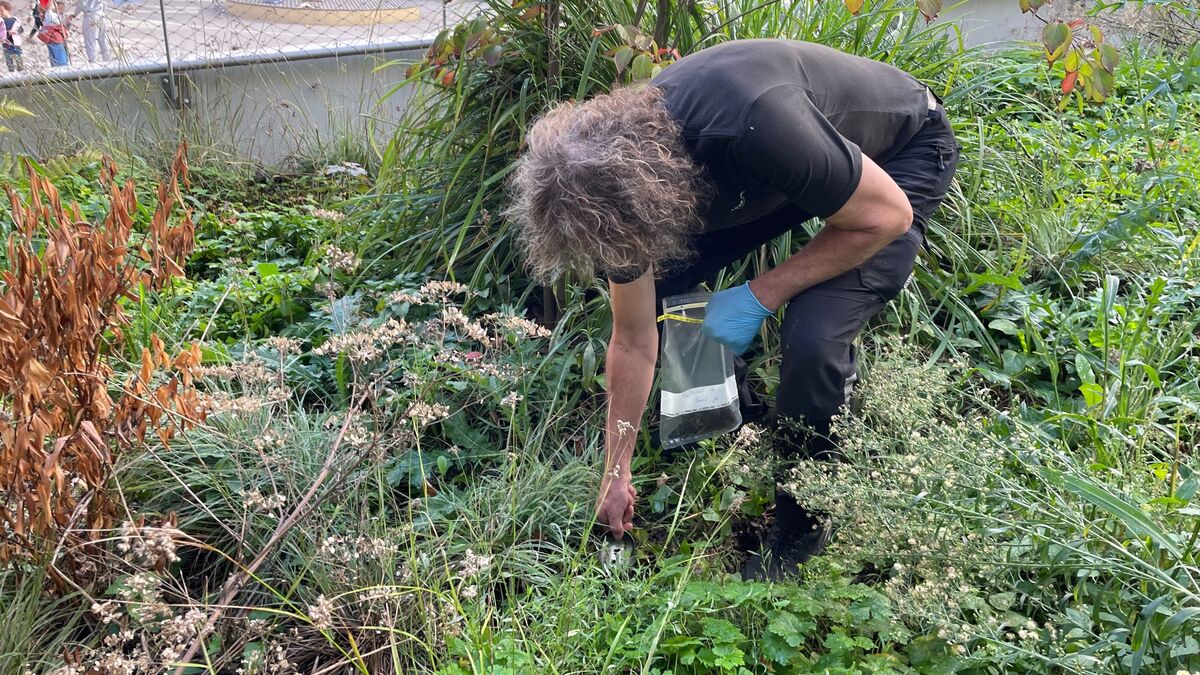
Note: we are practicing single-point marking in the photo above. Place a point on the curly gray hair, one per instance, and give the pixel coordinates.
(606, 185)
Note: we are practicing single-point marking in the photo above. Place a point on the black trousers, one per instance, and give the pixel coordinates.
(820, 324)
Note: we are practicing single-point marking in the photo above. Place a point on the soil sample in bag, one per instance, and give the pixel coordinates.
(699, 397)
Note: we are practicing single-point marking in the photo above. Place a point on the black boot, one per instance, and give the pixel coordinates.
(795, 536)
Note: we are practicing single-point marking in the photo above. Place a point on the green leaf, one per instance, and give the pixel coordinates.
(266, 270)
(1134, 518)
(622, 57)
(1152, 373)
(1093, 394)
(642, 65)
(722, 631)
(213, 646)
(1004, 326)
(492, 53)
(1056, 37)
(1073, 61)
(789, 628)
(1187, 489)
(1102, 85)
(460, 432)
(1108, 57)
(1177, 620)
(1084, 369)
(1011, 282)
(1003, 601)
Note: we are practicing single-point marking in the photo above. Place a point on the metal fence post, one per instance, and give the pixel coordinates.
(169, 84)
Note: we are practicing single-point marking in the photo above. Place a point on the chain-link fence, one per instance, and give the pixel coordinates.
(268, 81)
(64, 38)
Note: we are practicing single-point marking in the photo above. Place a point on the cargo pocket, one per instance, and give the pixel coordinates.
(889, 270)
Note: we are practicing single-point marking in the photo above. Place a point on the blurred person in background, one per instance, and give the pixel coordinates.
(12, 38)
(95, 34)
(53, 34)
(38, 12)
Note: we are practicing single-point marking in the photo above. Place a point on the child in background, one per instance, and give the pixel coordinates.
(95, 35)
(12, 42)
(38, 11)
(54, 35)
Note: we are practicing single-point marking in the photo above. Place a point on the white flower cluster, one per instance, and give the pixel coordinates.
(283, 345)
(442, 290)
(340, 259)
(518, 325)
(351, 169)
(453, 317)
(474, 564)
(321, 613)
(427, 413)
(149, 546)
(364, 346)
(253, 500)
(327, 214)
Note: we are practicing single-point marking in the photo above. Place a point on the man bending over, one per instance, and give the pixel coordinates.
(659, 187)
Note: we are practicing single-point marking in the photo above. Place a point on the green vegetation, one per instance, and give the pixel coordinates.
(398, 470)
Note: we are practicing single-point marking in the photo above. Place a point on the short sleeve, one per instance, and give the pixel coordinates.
(624, 276)
(787, 144)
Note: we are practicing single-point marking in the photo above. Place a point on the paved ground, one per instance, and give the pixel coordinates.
(203, 29)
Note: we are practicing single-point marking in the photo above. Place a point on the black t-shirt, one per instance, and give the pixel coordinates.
(780, 121)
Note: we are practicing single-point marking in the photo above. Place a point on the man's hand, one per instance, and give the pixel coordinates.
(734, 317)
(614, 505)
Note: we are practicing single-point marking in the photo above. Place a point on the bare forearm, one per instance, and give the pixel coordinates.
(831, 252)
(630, 374)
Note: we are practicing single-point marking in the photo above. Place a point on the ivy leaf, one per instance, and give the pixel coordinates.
(854, 6)
(1056, 37)
(929, 8)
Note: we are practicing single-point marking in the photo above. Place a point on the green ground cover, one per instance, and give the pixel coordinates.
(409, 461)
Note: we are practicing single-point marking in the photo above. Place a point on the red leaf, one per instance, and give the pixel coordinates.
(1068, 83)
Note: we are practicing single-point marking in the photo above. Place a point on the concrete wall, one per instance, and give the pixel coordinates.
(994, 22)
(265, 112)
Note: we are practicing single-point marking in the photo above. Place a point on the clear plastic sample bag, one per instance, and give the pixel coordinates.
(699, 397)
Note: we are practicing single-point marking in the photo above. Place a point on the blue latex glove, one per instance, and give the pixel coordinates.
(733, 318)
